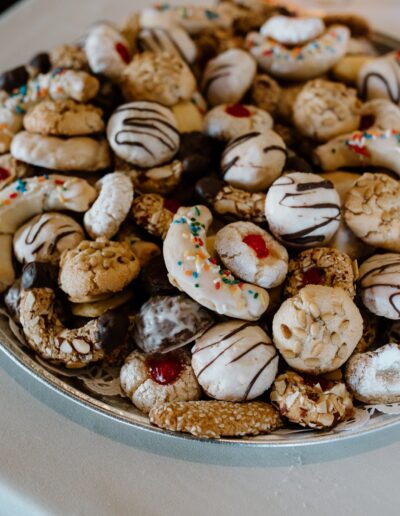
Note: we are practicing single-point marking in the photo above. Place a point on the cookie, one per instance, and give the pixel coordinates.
(159, 77)
(189, 116)
(143, 249)
(173, 40)
(380, 114)
(380, 285)
(380, 78)
(239, 204)
(254, 160)
(369, 337)
(228, 76)
(311, 402)
(72, 57)
(44, 237)
(302, 210)
(77, 153)
(325, 109)
(10, 124)
(161, 180)
(374, 377)
(94, 270)
(235, 361)
(292, 31)
(143, 133)
(317, 330)
(153, 213)
(372, 210)
(12, 298)
(357, 24)
(195, 272)
(214, 419)
(165, 323)
(348, 68)
(150, 380)
(111, 207)
(64, 118)
(7, 273)
(252, 254)
(321, 266)
(98, 308)
(11, 169)
(265, 93)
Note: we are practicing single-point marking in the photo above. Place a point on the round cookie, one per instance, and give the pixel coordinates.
(94, 270)
(143, 133)
(380, 285)
(292, 31)
(165, 323)
(321, 266)
(235, 361)
(160, 77)
(372, 210)
(325, 109)
(317, 330)
(227, 122)
(254, 160)
(44, 237)
(64, 118)
(252, 254)
(311, 402)
(150, 380)
(228, 76)
(302, 210)
(380, 78)
(265, 93)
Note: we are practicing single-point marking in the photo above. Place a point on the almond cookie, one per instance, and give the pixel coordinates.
(45, 237)
(252, 254)
(11, 169)
(380, 78)
(165, 323)
(372, 210)
(302, 210)
(265, 93)
(380, 285)
(150, 380)
(143, 133)
(374, 377)
(311, 402)
(153, 213)
(317, 330)
(159, 77)
(235, 361)
(321, 266)
(214, 419)
(325, 109)
(64, 118)
(77, 153)
(94, 270)
(254, 160)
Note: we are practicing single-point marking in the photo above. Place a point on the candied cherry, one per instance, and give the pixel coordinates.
(4, 174)
(123, 52)
(238, 111)
(313, 276)
(164, 369)
(257, 243)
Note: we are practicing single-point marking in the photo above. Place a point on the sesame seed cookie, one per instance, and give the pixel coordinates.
(321, 266)
(317, 330)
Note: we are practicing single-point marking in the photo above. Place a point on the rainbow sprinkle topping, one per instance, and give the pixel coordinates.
(360, 139)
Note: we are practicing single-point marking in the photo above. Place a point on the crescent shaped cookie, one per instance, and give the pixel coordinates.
(194, 271)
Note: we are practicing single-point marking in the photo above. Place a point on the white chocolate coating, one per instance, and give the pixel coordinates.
(174, 40)
(380, 78)
(292, 31)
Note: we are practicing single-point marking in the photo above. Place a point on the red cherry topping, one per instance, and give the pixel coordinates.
(366, 122)
(313, 276)
(123, 52)
(164, 369)
(257, 243)
(238, 111)
(171, 205)
(4, 173)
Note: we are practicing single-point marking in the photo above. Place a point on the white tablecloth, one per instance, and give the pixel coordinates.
(58, 459)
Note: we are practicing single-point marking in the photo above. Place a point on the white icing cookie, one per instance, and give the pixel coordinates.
(173, 40)
(380, 78)
(292, 31)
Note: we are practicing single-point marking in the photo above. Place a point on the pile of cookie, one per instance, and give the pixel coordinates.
(209, 199)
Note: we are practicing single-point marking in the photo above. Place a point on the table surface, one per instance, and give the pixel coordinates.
(59, 459)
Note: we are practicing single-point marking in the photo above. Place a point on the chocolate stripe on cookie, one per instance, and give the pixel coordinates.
(255, 378)
(225, 337)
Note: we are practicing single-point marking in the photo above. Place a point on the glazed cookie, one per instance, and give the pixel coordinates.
(311, 402)
(72, 57)
(45, 237)
(302, 210)
(254, 160)
(380, 78)
(159, 77)
(265, 93)
(380, 285)
(252, 254)
(321, 266)
(153, 213)
(372, 210)
(11, 169)
(64, 118)
(192, 269)
(374, 377)
(235, 361)
(214, 419)
(165, 323)
(159, 180)
(150, 380)
(228, 76)
(173, 40)
(306, 61)
(77, 153)
(94, 270)
(111, 207)
(227, 122)
(292, 31)
(325, 109)
(317, 330)
(143, 133)
(107, 51)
